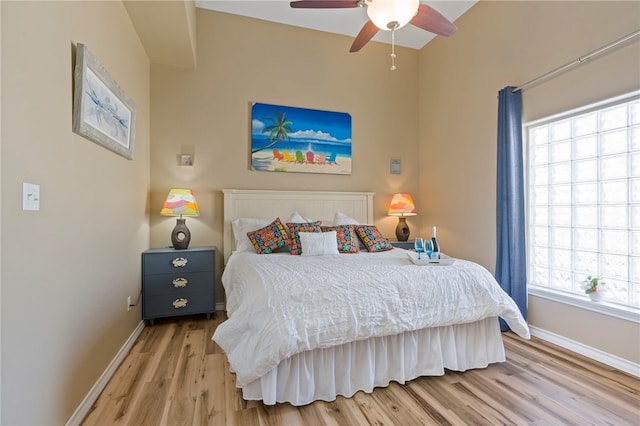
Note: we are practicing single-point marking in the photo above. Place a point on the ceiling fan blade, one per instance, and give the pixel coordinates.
(324, 4)
(431, 20)
(366, 33)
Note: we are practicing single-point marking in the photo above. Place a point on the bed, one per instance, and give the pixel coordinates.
(306, 328)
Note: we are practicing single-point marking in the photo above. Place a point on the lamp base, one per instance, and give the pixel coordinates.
(180, 236)
(402, 230)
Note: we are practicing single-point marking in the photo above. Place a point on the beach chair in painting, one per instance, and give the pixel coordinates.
(288, 157)
(331, 159)
(310, 156)
(277, 155)
(321, 159)
(299, 157)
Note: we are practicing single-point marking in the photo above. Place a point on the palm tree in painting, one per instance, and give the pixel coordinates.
(278, 130)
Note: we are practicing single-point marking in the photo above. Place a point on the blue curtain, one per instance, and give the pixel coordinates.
(511, 262)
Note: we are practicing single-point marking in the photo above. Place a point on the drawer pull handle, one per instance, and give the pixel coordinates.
(180, 303)
(180, 282)
(179, 262)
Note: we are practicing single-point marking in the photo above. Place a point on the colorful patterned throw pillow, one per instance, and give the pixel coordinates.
(372, 238)
(296, 228)
(346, 237)
(271, 237)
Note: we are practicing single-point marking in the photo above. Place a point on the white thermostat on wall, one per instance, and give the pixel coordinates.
(396, 166)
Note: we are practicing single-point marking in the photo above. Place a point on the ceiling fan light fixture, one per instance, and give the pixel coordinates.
(391, 14)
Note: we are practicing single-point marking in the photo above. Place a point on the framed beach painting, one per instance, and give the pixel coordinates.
(102, 112)
(291, 139)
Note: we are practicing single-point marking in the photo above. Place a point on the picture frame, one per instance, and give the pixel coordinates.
(300, 140)
(102, 112)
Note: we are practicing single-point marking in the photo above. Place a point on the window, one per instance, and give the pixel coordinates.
(583, 201)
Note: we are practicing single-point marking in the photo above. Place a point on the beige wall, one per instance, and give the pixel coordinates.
(508, 43)
(66, 272)
(242, 60)
(67, 269)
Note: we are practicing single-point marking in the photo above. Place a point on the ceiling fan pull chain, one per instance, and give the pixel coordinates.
(393, 50)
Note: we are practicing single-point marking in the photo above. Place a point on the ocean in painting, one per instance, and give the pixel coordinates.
(317, 147)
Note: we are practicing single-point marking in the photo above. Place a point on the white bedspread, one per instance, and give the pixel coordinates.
(279, 304)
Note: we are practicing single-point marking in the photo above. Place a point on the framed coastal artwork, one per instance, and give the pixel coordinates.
(102, 112)
(301, 140)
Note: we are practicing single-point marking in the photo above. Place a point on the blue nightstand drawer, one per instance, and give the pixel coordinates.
(407, 245)
(178, 261)
(171, 305)
(178, 282)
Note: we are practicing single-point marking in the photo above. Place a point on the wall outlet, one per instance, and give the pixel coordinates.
(128, 303)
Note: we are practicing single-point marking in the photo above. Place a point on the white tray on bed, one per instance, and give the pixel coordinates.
(443, 261)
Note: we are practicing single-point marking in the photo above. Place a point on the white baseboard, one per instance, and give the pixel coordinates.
(95, 391)
(593, 353)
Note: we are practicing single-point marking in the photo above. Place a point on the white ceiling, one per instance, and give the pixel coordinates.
(339, 21)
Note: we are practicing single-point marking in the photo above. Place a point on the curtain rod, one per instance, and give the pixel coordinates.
(578, 61)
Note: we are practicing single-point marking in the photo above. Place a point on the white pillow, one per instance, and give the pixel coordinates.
(318, 243)
(342, 219)
(296, 217)
(240, 228)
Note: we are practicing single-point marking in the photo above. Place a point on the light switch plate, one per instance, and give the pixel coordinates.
(30, 196)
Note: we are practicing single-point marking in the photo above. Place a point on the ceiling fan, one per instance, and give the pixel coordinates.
(388, 15)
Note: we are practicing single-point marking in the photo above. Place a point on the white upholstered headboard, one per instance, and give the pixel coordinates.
(319, 205)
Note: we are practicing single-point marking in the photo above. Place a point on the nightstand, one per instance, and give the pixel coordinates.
(178, 282)
(407, 245)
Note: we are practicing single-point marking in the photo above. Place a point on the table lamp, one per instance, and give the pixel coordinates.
(180, 202)
(402, 205)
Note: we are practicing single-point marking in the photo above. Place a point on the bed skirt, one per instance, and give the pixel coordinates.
(323, 374)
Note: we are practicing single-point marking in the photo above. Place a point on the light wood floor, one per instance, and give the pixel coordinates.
(176, 375)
